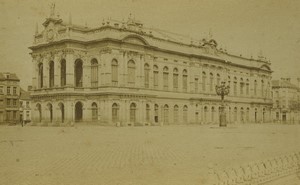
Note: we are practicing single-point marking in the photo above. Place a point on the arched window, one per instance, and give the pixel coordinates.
(197, 117)
(255, 88)
(40, 76)
(175, 114)
(114, 72)
(62, 111)
(50, 108)
(166, 114)
(147, 112)
(115, 112)
(213, 114)
(241, 86)
(147, 75)
(51, 74)
(94, 111)
(262, 88)
(132, 112)
(156, 113)
(205, 114)
(229, 114)
(196, 85)
(155, 76)
(218, 79)
(203, 81)
(235, 86)
(185, 112)
(39, 109)
(78, 111)
(247, 87)
(255, 115)
(131, 72)
(78, 73)
(242, 115)
(94, 73)
(211, 82)
(63, 73)
(175, 79)
(235, 115)
(264, 115)
(247, 114)
(184, 80)
(166, 78)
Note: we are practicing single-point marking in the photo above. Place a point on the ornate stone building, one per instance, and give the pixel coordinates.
(286, 101)
(124, 73)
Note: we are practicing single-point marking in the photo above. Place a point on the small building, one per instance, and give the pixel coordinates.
(286, 101)
(25, 106)
(9, 98)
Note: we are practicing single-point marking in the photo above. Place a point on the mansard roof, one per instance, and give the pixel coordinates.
(283, 84)
(134, 32)
(8, 76)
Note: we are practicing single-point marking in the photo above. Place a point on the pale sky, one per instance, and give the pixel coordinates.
(242, 26)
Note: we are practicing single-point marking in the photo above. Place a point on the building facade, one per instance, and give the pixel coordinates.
(9, 98)
(25, 106)
(124, 73)
(286, 101)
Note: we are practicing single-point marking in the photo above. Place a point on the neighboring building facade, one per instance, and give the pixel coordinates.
(9, 98)
(25, 106)
(124, 73)
(286, 101)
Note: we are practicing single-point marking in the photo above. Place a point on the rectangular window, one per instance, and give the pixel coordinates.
(1, 102)
(235, 88)
(15, 90)
(203, 83)
(155, 73)
(94, 79)
(8, 102)
(241, 88)
(8, 115)
(8, 90)
(166, 80)
(14, 102)
(196, 85)
(1, 89)
(115, 74)
(14, 114)
(175, 82)
(247, 89)
(211, 84)
(147, 78)
(184, 83)
(27, 105)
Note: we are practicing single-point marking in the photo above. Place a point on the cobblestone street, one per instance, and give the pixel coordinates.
(169, 155)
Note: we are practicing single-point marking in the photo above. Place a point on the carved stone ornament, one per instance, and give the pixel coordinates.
(50, 35)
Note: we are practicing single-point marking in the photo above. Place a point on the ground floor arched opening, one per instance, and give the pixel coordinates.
(78, 111)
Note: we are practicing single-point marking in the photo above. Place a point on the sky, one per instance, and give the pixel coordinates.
(241, 26)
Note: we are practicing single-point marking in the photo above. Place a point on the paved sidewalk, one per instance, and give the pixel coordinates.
(169, 155)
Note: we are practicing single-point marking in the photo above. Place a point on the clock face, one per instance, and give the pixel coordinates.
(50, 34)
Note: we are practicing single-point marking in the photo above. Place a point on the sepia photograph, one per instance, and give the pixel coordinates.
(139, 92)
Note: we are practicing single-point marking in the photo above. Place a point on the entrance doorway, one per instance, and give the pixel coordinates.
(78, 111)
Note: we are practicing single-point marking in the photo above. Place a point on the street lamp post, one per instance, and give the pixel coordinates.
(222, 90)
